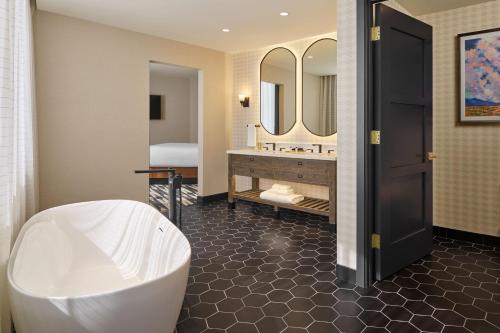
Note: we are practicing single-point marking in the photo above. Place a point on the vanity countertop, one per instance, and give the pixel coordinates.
(301, 155)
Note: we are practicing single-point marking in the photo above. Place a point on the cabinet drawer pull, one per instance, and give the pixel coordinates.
(299, 163)
(251, 170)
(251, 159)
(300, 175)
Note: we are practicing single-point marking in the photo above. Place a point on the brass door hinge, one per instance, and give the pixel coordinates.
(431, 156)
(375, 34)
(375, 241)
(375, 137)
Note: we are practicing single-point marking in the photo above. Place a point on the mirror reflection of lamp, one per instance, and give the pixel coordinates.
(244, 101)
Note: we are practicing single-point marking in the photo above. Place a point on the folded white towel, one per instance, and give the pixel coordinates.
(280, 187)
(284, 191)
(291, 199)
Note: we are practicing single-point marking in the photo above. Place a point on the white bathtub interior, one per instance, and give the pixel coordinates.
(97, 247)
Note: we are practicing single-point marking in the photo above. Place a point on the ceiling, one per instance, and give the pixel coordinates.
(421, 7)
(172, 70)
(253, 23)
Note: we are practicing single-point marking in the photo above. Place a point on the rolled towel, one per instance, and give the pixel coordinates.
(291, 199)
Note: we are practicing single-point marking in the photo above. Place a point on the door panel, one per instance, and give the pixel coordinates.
(406, 80)
(405, 142)
(406, 217)
(403, 114)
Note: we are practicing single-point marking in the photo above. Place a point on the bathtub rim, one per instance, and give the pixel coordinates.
(10, 266)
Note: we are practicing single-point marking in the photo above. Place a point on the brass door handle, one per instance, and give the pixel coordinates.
(431, 156)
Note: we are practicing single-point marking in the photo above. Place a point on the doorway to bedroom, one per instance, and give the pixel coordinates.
(173, 131)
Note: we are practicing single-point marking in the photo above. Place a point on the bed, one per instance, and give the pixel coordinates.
(181, 156)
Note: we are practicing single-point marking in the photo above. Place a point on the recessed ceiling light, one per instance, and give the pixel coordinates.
(284, 14)
(226, 30)
(310, 57)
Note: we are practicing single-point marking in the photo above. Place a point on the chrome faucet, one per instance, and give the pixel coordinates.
(320, 147)
(273, 145)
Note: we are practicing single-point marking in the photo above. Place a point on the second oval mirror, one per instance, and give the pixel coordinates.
(277, 91)
(319, 87)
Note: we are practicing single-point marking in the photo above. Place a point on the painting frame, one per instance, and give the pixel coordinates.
(463, 117)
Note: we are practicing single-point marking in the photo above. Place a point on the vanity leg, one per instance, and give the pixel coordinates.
(255, 184)
(277, 214)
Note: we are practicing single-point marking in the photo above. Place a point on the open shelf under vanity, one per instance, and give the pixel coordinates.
(308, 205)
(296, 168)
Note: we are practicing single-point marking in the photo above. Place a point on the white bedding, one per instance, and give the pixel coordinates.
(173, 155)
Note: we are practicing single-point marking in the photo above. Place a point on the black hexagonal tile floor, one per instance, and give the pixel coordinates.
(249, 314)
(270, 325)
(298, 319)
(251, 273)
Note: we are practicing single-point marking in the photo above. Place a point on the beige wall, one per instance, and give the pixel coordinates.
(467, 171)
(93, 117)
(179, 113)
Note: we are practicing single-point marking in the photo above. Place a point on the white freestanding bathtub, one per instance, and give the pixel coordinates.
(112, 266)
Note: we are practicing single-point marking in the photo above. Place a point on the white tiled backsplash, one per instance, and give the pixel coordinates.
(246, 69)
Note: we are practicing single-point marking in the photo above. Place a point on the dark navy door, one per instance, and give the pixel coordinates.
(403, 158)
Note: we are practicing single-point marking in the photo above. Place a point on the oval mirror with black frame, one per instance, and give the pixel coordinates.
(319, 87)
(278, 87)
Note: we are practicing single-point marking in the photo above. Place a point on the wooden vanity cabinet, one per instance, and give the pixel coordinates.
(321, 172)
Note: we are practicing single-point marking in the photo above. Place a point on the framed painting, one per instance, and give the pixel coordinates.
(479, 54)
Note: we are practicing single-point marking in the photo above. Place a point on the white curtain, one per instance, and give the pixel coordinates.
(17, 138)
(268, 105)
(328, 105)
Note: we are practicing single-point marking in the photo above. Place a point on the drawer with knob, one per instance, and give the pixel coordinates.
(253, 161)
(251, 171)
(307, 177)
(296, 164)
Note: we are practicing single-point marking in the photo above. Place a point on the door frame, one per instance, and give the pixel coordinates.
(199, 111)
(365, 265)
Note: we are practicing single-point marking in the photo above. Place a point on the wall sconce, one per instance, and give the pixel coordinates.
(244, 101)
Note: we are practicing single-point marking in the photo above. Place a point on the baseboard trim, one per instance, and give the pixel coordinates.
(211, 198)
(467, 236)
(346, 274)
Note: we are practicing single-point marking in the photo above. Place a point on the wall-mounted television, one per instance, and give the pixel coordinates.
(154, 107)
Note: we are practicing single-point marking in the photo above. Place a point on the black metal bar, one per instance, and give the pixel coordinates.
(175, 186)
(174, 189)
(155, 170)
(172, 199)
